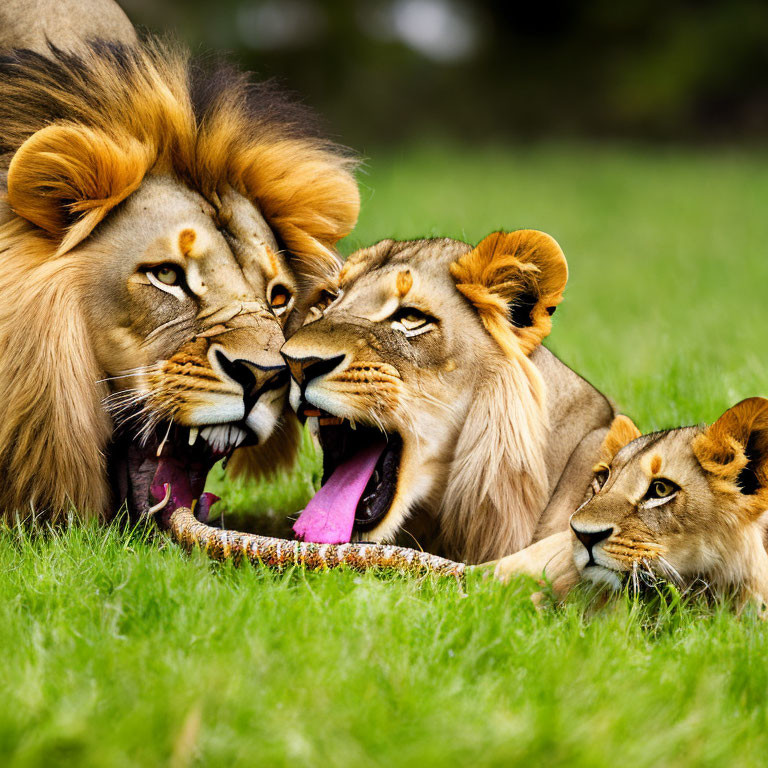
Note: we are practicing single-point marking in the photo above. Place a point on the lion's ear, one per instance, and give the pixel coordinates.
(735, 447)
(621, 432)
(65, 179)
(515, 281)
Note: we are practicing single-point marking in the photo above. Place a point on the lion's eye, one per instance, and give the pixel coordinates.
(661, 488)
(412, 322)
(279, 298)
(167, 274)
(599, 480)
(168, 278)
(659, 492)
(326, 299)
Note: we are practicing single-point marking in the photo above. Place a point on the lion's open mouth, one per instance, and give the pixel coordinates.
(171, 465)
(360, 471)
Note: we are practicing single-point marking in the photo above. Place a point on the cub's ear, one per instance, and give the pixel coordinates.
(515, 281)
(65, 179)
(735, 448)
(621, 432)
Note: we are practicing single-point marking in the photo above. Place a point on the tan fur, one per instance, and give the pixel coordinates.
(130, 177)
(498, 484)
(69, 23)
(712, 529)
(490, 420)
(53, 425)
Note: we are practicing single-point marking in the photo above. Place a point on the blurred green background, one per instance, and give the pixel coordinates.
(385, 70)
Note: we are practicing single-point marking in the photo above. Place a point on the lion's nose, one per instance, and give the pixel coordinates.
(590, 538)
(304, 369)
(253, 378)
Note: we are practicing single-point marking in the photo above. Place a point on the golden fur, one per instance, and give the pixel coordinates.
(114, 156)
(708, 525)
(499, 437)
(135, 114)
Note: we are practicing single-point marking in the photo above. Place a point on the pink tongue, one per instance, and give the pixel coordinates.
(330, 515)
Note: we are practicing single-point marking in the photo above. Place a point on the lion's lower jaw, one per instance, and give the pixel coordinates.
(167, 470)
(602, 576)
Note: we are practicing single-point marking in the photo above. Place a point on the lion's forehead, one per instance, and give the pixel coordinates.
(412, 273)
(658, 454)
(164, 219)
(430, 257)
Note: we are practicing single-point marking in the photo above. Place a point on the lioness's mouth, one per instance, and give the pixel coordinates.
(168, 468)
(360, 471)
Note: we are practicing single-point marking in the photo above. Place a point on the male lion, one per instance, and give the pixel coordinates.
(440, 412)
(155, 223)
(684, 504)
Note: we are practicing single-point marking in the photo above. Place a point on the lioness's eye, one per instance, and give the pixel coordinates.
(660, 489)
(167, 274)
(412, 322)
(279, 298)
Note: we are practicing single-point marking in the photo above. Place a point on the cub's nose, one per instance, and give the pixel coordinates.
(590, 538)
(304, 369)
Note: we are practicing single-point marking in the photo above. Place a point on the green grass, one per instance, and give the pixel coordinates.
(117, 652)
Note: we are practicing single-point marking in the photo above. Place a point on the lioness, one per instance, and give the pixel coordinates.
(684, 504)
(440, 413)
(155, 221)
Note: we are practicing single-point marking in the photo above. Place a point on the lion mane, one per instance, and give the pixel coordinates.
(78, 134)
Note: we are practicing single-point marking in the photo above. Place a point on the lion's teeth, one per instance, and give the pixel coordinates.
(223, 436)
(352, 424)
(193, 433)
(238, 436)
(313, 425)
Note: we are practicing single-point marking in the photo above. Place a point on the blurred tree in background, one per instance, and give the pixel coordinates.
(384, 70)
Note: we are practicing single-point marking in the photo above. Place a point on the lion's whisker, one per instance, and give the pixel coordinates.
(670, 570)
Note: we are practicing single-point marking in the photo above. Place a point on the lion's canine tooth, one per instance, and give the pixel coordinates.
(193, 433)
(352, 424)
(313, 425)
(238, 435)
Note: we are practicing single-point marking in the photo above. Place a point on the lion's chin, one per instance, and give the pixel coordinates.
(167, 470)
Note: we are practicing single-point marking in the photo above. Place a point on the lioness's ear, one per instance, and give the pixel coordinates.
(621, 432)
(515, 280)
(65, 179)
(735, 448)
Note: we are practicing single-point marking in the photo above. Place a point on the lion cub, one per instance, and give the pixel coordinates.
(683, 504)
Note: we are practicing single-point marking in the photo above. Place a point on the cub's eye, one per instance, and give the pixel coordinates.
(660, 491)
(279, 298)
(412, 322)
(167, 274)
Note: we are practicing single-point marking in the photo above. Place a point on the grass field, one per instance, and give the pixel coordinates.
(118, 653)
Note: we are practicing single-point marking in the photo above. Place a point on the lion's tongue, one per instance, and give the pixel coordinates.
(186, 482)
(330, 515)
